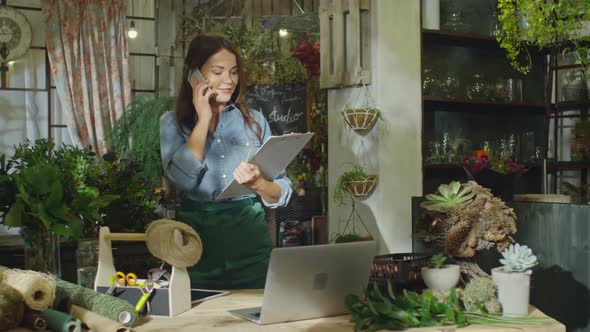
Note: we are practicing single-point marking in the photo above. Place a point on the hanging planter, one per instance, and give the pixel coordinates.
(360, 112)
(361, 119)
(354, 183)
(362, 186)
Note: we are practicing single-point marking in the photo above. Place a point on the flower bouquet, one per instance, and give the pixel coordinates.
(495, 174)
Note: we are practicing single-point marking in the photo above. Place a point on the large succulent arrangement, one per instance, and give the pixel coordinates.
(464, 219)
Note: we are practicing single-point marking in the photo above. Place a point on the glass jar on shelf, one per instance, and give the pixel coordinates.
(449, 85)
(478, 88)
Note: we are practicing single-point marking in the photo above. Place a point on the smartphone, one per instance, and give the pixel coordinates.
(195, 75)
(200, 295)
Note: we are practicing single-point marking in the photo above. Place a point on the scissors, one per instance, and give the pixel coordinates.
(129, 279)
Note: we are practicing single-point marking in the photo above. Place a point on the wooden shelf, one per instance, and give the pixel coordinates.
(568, 165)
(443, 166)
(461, 104)
(453, 38)
(572, 105)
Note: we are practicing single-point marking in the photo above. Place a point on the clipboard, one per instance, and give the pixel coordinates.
(272, 158)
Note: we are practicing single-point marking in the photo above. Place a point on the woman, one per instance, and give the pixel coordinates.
(204, 145)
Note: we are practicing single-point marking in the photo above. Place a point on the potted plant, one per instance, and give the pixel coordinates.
(354, 183)
(51, 198)
(465, 218)
(513, 279)
(497, 174)
(439, 276)
(544, 24)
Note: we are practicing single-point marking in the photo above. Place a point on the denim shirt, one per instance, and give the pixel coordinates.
(231, 143)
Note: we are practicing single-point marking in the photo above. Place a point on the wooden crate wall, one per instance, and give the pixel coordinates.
(257, 8)
(345, 34)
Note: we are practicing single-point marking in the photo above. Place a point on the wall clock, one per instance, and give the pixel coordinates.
(15, 34)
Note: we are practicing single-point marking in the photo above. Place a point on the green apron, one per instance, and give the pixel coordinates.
(236, 243)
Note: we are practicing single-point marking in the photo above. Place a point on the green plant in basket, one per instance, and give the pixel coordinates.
(437, 261)
(346, 186)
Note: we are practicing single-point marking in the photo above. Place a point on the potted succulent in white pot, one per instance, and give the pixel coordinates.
(439, 276)
(513, 280)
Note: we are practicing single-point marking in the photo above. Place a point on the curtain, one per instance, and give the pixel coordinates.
(88, 54)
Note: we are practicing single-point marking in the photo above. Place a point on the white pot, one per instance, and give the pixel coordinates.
(513, 291)
(443, 278)
(431, 14)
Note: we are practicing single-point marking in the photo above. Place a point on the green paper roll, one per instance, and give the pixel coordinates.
(60, 321)
(105, 305)
(12, 307)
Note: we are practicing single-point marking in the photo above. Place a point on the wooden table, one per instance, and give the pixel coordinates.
(212, 315)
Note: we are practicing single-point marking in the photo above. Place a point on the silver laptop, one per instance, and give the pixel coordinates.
(312, 281)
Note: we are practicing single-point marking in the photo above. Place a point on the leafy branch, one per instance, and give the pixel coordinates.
(378, 311)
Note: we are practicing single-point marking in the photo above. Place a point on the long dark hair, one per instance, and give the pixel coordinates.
(200, 49)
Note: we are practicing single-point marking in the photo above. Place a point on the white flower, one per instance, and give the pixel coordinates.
(518, 258)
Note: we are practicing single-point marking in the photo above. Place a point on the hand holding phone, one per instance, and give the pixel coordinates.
(195, 76)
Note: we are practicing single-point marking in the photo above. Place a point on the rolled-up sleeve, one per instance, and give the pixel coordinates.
(282, 180)
(180, 165)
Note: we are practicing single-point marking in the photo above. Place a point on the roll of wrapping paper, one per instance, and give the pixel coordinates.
(96, 322)
(37, 289)
(34, 321)
(59, 321)
(105, 305)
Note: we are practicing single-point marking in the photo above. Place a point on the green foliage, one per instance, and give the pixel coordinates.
(379, 311)
(135, 208)
(266, 56)
(437, 261)
(50, 190)
(548, 24)
(450, 196)
(136, 136)
(357, 173)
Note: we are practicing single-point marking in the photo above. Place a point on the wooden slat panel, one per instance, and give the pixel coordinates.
(307, 5)
(338, 38)
(237, 7)
(354, 40)
(316, 5)
(365, 35)
(285, 8)
(325, 51)
(256, 8)
(276, 4)
(247, 12)
(266, 7)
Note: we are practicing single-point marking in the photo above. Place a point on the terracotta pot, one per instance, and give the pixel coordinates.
(361, 187)
(360, 119)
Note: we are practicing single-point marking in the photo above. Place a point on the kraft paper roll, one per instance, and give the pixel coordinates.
(36, 288)
(59, 321)
(96, 322)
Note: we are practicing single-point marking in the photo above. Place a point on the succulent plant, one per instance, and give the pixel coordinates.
(450, 195)
(518, 258)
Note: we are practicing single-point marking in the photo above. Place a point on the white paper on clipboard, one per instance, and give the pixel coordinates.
(271, 158)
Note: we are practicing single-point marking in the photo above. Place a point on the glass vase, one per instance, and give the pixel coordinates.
(42, 251)
(87, 262)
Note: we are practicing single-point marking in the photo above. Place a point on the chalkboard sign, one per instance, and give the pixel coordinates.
(284, 107)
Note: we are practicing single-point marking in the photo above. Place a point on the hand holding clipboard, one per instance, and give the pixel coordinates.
(271, 158)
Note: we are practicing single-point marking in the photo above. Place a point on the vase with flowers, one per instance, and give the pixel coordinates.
(497, 174)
